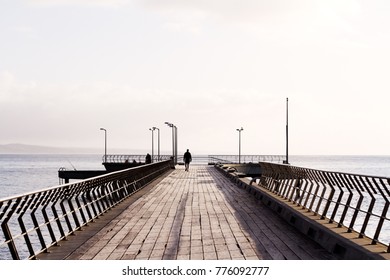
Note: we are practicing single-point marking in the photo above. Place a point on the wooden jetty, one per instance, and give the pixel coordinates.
(195, 215)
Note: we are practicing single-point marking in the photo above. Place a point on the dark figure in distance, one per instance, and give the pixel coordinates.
(187, 159)
(148, 159)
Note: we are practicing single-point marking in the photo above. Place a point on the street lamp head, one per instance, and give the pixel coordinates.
(240, 129)
(102, 129)
(169, 124)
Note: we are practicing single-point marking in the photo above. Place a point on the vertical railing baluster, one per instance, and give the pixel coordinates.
(347, 204)
(48, 197)
(66, 217)
(74, 214)
(384, 211)
(22, 211)
(319, 191)
(358, 204)
(8, 211)
(308, 193)
(364, 183)
(328, 182)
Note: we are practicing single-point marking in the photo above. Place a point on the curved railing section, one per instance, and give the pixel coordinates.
(358, 202)
(33, 222)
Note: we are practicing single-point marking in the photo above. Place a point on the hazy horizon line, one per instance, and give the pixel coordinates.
(20, 148)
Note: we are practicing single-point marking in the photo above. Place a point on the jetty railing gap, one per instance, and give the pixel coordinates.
(358, 202)
(33, 222)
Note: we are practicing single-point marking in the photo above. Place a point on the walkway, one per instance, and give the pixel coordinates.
(199, 215)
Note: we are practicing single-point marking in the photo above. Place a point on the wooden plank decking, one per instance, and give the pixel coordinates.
(199, 215)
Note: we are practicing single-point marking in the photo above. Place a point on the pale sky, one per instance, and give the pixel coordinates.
(69, 67)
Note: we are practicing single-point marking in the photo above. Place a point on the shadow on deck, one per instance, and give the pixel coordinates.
(200, 214)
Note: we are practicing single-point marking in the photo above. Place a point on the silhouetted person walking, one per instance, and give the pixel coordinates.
(187, 158)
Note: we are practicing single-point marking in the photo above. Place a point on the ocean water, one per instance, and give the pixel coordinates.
(20, 174)
(362, 165)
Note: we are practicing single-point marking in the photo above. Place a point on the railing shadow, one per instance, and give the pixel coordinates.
(358, 203)
(270, 234)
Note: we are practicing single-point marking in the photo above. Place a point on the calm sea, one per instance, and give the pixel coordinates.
(20, 174)
(24, 173)
(362, 165)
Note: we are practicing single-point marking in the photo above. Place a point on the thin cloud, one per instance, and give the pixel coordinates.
(88, 3)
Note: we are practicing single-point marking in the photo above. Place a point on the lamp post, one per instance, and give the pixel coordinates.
(158, 136)
(239, 144)
(286, 162)
(174, 141)
(175, 127)
(105, 143)
(152, 130)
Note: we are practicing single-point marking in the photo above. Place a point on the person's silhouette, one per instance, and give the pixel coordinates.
(187, 158)
(148, 159)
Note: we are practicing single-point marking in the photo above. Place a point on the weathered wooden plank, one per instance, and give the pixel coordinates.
(196, 215)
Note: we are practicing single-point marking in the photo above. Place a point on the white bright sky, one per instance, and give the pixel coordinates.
(69, 67)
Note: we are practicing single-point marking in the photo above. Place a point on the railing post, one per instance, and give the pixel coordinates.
(370, 207)
(384, 211)
(4, 226)
(329, 182)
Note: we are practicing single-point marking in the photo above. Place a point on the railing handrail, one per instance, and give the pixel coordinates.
(245, 158)
(33, 222)
(211, 159)
(138, 158)
(358, 202)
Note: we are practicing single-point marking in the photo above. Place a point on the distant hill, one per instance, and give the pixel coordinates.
(35, 149)
(17, 148)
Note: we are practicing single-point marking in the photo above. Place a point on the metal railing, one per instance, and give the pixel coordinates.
(197, 159)
(230, 159)
(358, 202)
(33, 222)
(133, 158)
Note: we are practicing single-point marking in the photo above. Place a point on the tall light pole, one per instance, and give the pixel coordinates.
(239, 144)
(174, 141)
(105, 143)
(175, 127)
(286, 162)
(158, 134)
(152, 130)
